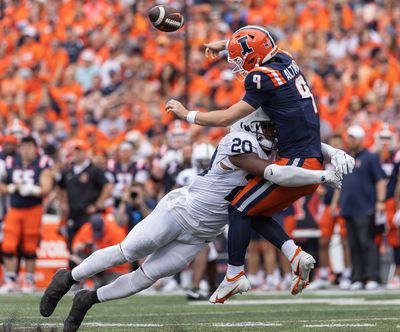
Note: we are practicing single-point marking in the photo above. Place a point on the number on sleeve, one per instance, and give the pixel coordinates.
(257, 80)
(240, 146)
(305, 91)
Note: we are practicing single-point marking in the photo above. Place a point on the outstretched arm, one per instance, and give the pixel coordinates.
(343, 162)
(211, 119)
(286, 176)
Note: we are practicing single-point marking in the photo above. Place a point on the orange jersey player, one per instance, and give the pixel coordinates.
(27, 180)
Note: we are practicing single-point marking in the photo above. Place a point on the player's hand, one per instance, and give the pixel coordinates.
(213, 48)
(333, 179)
(343, 162)
(177, 108)
(91, 209)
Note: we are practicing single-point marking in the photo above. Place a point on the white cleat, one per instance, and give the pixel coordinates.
(320, 284)
(302, 263)
(229, 287)
(8, 287)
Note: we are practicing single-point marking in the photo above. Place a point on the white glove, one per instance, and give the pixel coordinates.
(11, 188)
(333, 179)
(343, 162)
(396, 218)
(29, 190)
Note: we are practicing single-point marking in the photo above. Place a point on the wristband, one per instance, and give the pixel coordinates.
(191, 117)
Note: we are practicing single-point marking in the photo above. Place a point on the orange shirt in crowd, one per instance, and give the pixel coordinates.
(113, 234)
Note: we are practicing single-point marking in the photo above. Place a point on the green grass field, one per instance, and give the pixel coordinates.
(323, 311)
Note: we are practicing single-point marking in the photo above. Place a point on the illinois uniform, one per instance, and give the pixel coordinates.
(23, 220)
(391, 168)
(281, 90)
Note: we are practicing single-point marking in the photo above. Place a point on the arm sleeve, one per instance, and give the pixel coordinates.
(257, 85)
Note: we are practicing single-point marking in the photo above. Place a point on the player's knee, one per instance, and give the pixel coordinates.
(135, 250)
(9, 247)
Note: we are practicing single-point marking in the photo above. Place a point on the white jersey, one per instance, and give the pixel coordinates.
(201, 207)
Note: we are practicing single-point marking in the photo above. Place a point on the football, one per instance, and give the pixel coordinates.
(165, 18)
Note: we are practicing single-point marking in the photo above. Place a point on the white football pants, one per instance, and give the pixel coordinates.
(169, 249)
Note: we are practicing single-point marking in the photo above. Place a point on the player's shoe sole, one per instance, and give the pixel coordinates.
(81, 304)
(303, 264)
(225, 291)
(58, 287)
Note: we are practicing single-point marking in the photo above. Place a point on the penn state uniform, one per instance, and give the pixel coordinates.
(189, 217)
(23, 219)
(280, 89)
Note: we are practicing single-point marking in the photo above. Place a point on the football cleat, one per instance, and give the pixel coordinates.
(9, 287)
(320, 284)
(59, 286)
(81, 304)
(302, 263)
(394, 283)
(229, 287)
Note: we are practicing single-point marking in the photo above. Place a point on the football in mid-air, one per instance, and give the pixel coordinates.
(166, 18)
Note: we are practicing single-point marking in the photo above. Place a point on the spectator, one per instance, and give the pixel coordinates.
(362, 200)
(98, 233)
(87, 70)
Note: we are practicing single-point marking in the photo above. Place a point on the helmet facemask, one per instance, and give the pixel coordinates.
(265, 134)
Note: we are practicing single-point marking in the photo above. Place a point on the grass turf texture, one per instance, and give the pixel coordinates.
(323, 311)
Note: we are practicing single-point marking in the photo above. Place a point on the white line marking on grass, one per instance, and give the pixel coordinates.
(338, 325)
(245, 324)
(331, 301)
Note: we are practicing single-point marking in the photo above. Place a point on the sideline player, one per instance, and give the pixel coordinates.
(274, 83)
(28, 179)
(179, 227)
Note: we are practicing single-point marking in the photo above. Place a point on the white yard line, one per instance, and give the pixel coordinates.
(338, 325)
(331, 301)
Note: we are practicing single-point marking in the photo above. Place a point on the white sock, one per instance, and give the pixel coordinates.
(324, 273)
(99, 261)
(124, 286)
(346, 273)
(233, 270)
(289, 249)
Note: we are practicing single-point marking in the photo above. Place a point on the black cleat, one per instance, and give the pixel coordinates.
(195, 295)
(59, 285)
(83, 301)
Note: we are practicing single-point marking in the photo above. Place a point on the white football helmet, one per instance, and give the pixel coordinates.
(260, 125)
(201, 156)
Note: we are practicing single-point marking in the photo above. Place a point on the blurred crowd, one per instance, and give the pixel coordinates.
(88, 80)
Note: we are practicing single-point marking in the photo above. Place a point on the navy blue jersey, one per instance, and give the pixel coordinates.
(393, 176)
(19, 174)
(281, 90)
(123, 175)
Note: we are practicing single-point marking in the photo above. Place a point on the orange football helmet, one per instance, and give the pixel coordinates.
(250, 47)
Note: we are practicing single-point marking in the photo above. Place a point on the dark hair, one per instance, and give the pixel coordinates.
(28, 139)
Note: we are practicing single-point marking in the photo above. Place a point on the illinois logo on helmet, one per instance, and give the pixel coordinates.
(249, 47)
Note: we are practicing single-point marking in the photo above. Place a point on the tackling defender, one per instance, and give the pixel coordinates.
(181, 224)
(274, 83)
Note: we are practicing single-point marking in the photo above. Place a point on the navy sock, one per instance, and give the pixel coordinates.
(270, 230)
(238, 236)
(396, 252)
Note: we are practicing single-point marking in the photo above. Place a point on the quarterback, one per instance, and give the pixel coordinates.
(273, 82)
(183, 222)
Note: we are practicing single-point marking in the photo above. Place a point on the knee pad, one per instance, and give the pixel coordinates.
(134, 251)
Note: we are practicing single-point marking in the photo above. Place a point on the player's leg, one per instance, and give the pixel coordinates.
(302, 263)
(199, 267)
(31, 224)
(156, 230)
(12, 233)
(166, 261)
(345, 279)
(326, 224)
